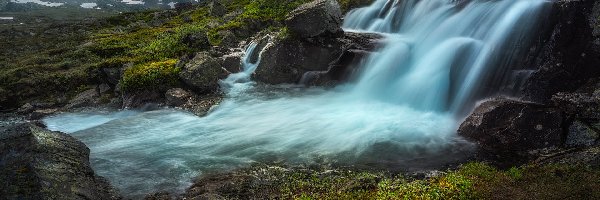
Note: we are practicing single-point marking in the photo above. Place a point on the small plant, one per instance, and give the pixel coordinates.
(151, 76)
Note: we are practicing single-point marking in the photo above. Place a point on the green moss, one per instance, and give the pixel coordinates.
(152, 75)
(470, 181)
(61, 58)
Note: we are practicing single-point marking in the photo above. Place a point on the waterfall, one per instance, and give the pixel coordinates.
(441, 55)
(242, 77)
(401, 113)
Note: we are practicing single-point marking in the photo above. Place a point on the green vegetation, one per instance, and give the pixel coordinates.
(65, 55)
(470, 181)
(48, 60)
(151, 74)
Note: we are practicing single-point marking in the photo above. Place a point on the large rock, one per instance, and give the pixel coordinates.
(147, 99)
(507, 130)
(91, 97)
(568, 51)
(287, 60)
(203, 73)
(315, 18)
(39, 164)
(233, 62)
(198, 105)
(579, 105)
(581, 134)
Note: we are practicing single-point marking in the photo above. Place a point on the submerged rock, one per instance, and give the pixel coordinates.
(199, 105)
(507, 130)
(315, 18)
(39, 164)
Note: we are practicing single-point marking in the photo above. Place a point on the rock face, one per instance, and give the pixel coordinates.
(287, 60)
(38, 164)
(506, 130)
(315, 18)
(141, 99)
(199, 105)
(233, 62)
(91, 97)
(203, 73)
(581, 135)
(571, 53)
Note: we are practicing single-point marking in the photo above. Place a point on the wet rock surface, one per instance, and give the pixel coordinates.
(287, 60)
(570, 54)
(507, 130)
(199, 105)
(315, 18)
(203, 73)
(39, 164)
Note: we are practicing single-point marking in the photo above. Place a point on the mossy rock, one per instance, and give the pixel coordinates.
(154, 75)
(203, 73)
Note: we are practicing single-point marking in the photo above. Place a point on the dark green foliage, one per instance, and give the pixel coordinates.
(64, 55)
(151, 75)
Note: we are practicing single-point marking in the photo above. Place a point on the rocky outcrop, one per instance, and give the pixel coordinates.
(199, 105)
(39, 164)
(315, 48)
(569, 56)
(92, 97)
(564, 85)
(142, 99)
(315, 18)
(233, 62)
(203, 73)
(509, 130)
(287, 60)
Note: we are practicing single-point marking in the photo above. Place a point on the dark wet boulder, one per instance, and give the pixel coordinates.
(203, 73)
(344, 68)
(141, 99)
(315, 18)
(177, 96)
(287, 60)
(39, 164)
(567, 52)
(233, 62)
(96, 96)
(186, 100)
(579, 105)
(509, 130)
(284, 61)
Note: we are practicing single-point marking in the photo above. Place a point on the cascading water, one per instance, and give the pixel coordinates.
(402, 112)
(441, 56)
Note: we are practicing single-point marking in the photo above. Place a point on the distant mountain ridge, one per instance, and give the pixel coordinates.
(106, 5)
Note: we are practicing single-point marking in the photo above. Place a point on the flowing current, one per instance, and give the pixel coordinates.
(402, 111)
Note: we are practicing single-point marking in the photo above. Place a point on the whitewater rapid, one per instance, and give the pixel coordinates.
(402, 113)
